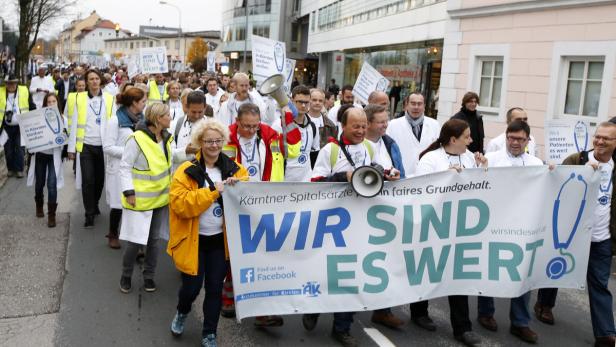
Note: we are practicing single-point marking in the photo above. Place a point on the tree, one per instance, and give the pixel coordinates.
(33, 14)
(197, 53)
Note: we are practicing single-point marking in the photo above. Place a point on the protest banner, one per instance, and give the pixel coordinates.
(268, 58)
(42, 129)
(318, 247)
(211, 61)
(289, 68)
(153, 60)
(369, 80)
(564, 137)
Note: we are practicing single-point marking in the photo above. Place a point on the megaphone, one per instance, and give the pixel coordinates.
(272, 86)
(368, 180)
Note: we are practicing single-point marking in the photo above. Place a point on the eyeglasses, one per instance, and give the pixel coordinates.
(218, 142)
(525, 119)
(249, 127)
(517, 139)
(604, 138)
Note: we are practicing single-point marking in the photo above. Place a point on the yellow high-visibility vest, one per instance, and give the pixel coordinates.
(22, 95)
(151, 185)
(81, 100)
(154, 94)
(71, 99)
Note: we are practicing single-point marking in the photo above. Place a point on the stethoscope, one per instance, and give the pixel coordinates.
(580, 126)
(279, 57)
(557, 267)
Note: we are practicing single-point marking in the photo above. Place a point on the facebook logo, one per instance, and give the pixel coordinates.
(247, 275)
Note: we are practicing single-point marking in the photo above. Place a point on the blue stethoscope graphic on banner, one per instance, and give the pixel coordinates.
(160, 58)
(605, 192)
(580, 136)
(53, 123)
(557, 267)
(279, 58)
(382, 84)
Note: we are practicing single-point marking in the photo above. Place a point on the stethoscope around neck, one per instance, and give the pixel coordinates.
(557, 267)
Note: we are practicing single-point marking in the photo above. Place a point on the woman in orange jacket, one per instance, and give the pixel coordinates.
(197, 240)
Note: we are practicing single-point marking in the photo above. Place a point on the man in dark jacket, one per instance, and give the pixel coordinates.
(64, 86)
(603, 240)
(468, 113)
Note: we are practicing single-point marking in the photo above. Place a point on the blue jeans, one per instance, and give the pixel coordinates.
(518, 309)
(210, 275)
(45, 173)
(597, 276)
(12, 149)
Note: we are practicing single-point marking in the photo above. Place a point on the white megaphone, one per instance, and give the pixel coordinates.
(272, 86)
(368, 180)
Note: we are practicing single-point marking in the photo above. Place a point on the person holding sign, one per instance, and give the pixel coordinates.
(157, 90)
(90, 115)
(14, 100)
(46, 169)
(449, 152)
(145, 176)
(197, 235)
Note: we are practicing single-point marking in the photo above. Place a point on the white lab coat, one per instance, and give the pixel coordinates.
(113, 147)
(498, 143)
(401, 131)
(438, 160)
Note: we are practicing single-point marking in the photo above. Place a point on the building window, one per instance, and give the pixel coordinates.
(151, 43)
(313, 19)
(177, 44)
(131, 45)
(583, 86)
(491, 82)
(240, 33)
(261, 30)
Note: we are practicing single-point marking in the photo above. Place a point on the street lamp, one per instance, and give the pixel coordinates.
(117, 29)
(163, 2)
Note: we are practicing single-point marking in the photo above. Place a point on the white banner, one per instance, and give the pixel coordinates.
(134, 66)
(289, 69)
(153, 60)
(42, 129)
(369, 80)
(318, 247)
(565, 137)
(268, 58)
(211, 61)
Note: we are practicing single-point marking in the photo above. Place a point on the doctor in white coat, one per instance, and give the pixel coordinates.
(414, 132)
(132, 103)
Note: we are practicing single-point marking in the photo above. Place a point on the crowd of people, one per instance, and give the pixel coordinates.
(164, 147)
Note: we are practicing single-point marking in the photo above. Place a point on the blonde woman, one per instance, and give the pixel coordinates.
(144, 180)
(197, 239)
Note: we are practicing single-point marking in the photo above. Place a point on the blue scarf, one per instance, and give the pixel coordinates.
(126, 119)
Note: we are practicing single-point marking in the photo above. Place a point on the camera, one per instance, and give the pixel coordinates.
(8, 116)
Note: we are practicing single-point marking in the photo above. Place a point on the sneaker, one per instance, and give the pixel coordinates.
(149, 285)
(125, 285)
(469, 338)
(309, 321)
(89, 223)
(177, 325)
(209, 341)
(344, 338)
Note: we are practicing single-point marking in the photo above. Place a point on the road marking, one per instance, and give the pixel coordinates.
(378, 337)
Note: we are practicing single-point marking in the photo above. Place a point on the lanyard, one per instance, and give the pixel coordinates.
(449, 156)
(609, 185)
(245, 155)
(100, 108)
(13, 103)
(347, 154)
(304, 143)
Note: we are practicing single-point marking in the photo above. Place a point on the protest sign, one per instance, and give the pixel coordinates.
(564, 137)
(369, 80)
(153, 60)
(133, 66)
(289, 68)
(42, 129)
(268, 58)
(318, 247)
(211, 61)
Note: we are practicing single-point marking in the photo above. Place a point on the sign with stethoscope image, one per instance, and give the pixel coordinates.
(43, 129)
(565, 137)
(153, 60)
(268, 58)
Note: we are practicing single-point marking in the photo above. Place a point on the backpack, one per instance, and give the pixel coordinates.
(178, 126)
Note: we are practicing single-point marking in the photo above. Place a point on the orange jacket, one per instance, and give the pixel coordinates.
(189, 197)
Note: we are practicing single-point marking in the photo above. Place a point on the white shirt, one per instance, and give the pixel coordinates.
(298, 169)
(67, 85)
(439, 160)
(498, 143)
(502, 158)
(601, 223)
(214, 100)
(178, 145)
(400, 130)
(358, 153)
(318, 121)
(96, 111)
(111, 88)
(44, 83)
(175, 111)
(251, 158)
(210, 221)
(383, 157)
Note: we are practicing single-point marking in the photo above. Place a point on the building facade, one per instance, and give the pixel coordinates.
(67, 49)
(92, 41)
(402, 39)
(555, 59)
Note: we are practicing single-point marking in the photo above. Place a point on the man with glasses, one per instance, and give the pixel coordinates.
(299, 169)
(603, 241)
(261, 150)
(498, 143)
(514, 154)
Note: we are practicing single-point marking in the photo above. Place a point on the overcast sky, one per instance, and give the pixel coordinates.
(196, 14)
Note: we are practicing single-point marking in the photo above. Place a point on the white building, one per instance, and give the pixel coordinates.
(92, 40)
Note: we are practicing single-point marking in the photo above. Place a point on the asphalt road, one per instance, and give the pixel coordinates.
(86, 308)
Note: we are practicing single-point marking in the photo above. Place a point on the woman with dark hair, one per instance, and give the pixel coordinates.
(46, 169)
(449, 152)
(131, 103)
(469, 113)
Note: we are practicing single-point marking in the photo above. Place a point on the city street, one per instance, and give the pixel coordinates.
(60, 287)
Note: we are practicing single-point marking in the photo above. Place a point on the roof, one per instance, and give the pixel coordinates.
(207, 34)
